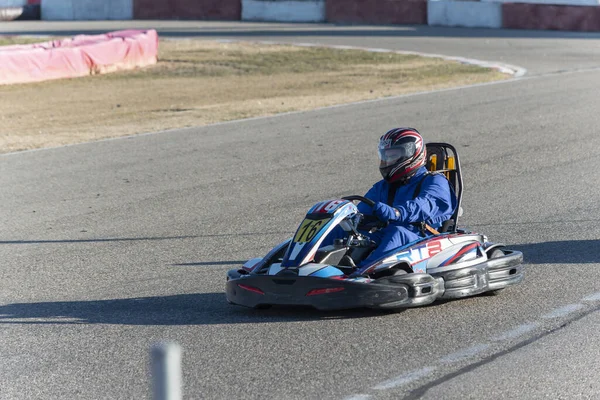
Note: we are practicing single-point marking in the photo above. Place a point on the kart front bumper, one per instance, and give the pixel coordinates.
(402, 291)
(259, 291)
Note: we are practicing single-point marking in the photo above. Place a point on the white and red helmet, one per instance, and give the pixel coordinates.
(401, 154)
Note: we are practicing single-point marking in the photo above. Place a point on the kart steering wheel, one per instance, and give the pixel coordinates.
(354, 197)
(368, 222)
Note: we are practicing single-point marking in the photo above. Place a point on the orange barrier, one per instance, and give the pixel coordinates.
(79, 56)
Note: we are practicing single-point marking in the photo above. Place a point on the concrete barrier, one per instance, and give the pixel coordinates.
(283, 10)
(550, 17)
(68, 10)
(188, 9)
(470, 14)
(377, 11)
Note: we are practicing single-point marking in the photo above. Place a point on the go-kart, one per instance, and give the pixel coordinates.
(449, 264)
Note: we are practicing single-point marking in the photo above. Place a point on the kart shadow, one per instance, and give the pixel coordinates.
(184, 309)
(560, 252)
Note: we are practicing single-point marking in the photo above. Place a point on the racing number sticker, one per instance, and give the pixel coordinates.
(329, 207)
(434, 248)
(309, 229)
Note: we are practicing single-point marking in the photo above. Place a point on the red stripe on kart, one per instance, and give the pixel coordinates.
(461, 252)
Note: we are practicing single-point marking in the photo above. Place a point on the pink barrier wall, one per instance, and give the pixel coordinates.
(543, 16)
(377, 11)
(188, 9)
(80, 56)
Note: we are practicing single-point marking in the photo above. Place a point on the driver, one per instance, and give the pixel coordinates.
(408, 197)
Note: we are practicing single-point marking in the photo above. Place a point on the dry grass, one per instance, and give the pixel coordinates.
(9, 40)
(201, 82)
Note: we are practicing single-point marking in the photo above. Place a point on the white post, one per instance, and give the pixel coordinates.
(166, 371)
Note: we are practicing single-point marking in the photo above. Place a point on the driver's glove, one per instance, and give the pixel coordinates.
(385, 213)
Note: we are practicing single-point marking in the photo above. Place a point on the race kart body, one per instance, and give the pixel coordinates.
(450, 264)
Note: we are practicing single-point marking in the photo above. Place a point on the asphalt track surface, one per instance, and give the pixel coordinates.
(108, 247)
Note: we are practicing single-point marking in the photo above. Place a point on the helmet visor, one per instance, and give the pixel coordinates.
(397, 153)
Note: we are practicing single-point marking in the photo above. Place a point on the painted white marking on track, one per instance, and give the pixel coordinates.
(465, 353)
(592, 297)
(358, 397)
(563, 311)
(518, 331)
(404, 379)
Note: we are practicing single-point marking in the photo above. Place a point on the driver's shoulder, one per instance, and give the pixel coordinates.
(378, 191)
(379, 186)
(436, 178)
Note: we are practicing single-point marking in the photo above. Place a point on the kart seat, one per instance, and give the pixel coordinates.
(443, 158)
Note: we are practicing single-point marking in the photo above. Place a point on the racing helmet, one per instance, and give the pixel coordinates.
(401, 154)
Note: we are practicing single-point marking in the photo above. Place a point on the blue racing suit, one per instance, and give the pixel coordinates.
(434, 203)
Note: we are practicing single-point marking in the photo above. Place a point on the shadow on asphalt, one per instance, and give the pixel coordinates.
(248, 31)
(560, 252)
(184, 309)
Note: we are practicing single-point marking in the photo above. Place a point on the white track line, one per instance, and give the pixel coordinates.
(465, 353)
(358, 397)
(563, 311)
(592, 298)
(515, 333)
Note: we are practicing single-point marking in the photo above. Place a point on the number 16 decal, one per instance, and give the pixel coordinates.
(309, 229)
